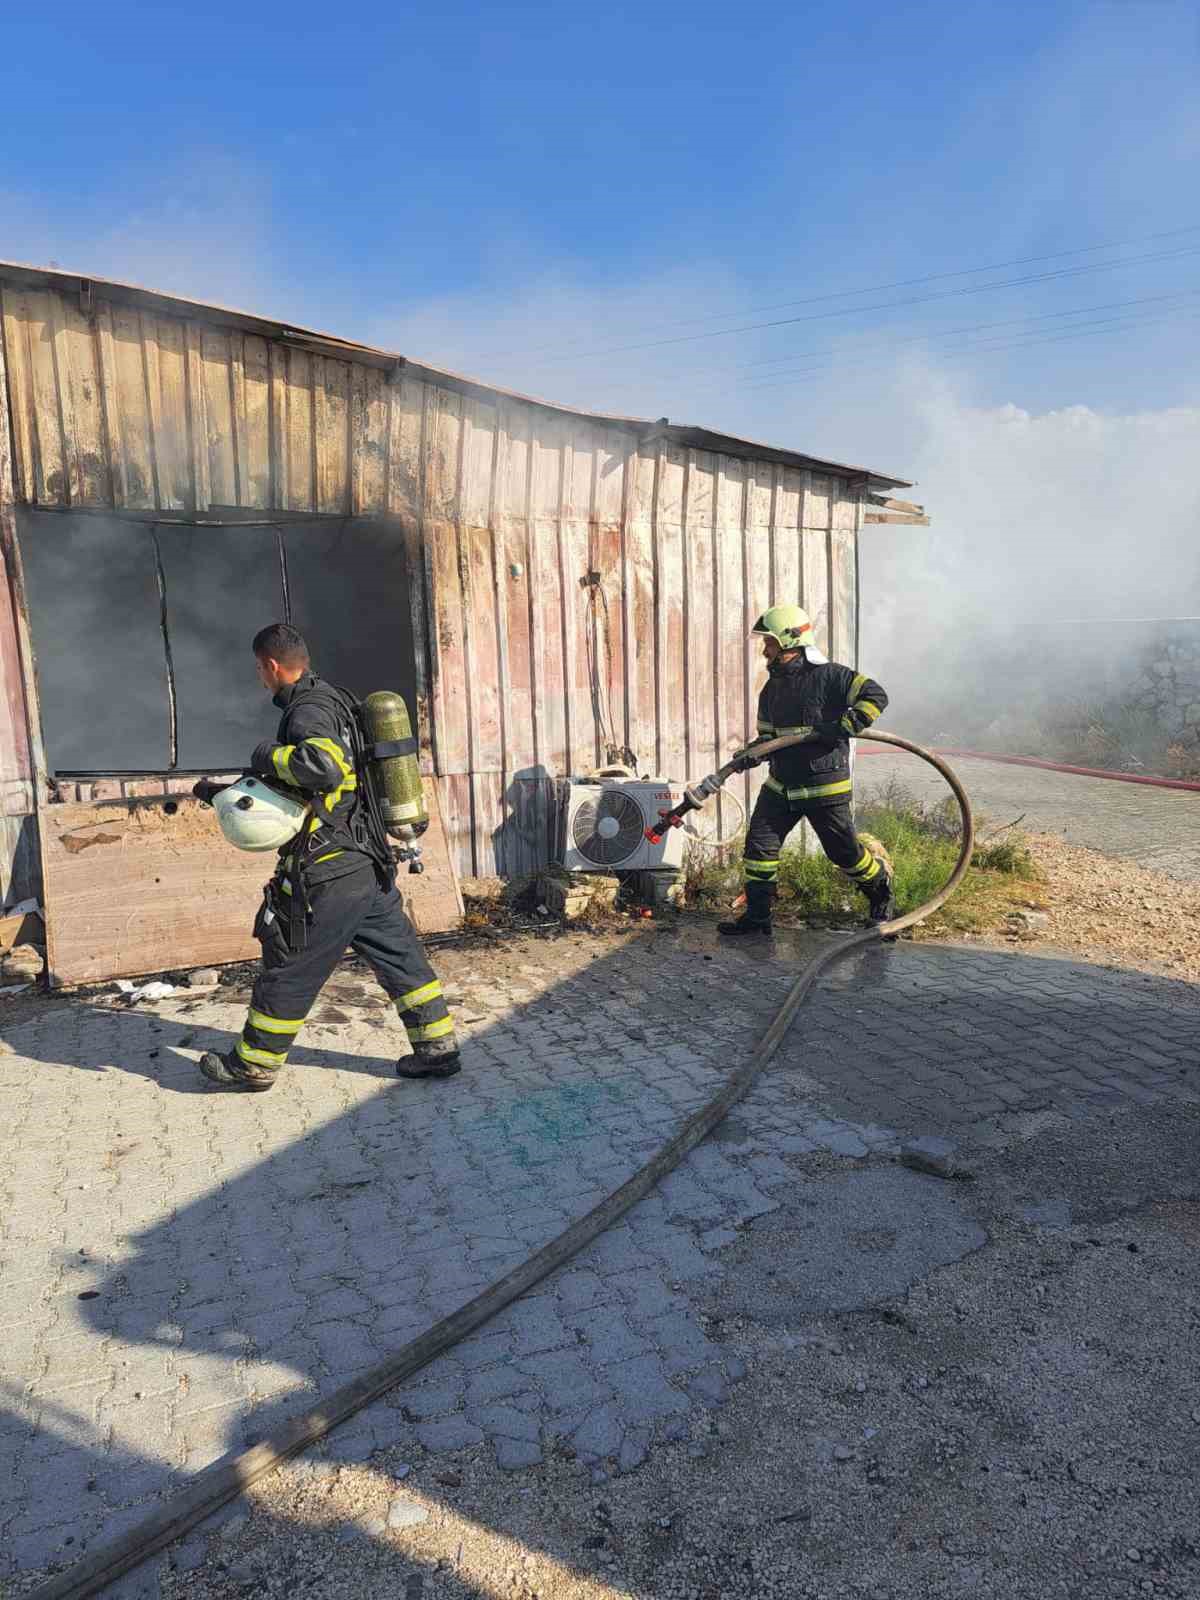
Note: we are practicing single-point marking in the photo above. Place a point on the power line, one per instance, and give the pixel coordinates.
(889, 305)
(948, 333)
(901, 283)
(1035, 335)
(1111, 325)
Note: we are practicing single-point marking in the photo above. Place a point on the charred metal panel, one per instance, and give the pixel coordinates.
(96, 619)
(348, 595)
(223, 585)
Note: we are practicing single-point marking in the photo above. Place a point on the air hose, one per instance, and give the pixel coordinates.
(222, 1482)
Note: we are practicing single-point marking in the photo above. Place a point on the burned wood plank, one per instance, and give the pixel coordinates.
(886, 504)
(135, 886)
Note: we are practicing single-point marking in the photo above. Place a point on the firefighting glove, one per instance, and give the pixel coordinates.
(206, 790)
(744, 760)
(260, 761)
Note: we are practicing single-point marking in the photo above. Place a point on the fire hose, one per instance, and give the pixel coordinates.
(222, 1482)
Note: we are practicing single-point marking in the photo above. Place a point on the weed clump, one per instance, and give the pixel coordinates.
(923, 843)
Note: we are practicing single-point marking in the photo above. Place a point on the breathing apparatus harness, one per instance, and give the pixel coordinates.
(366, 822)
(389, 804)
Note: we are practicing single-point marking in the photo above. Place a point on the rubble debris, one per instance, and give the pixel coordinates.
(938, 1157)
(148, 991)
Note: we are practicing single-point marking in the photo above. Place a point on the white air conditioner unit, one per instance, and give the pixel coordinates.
(604, 825)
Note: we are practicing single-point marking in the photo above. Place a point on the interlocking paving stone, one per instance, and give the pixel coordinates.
(247, 1257)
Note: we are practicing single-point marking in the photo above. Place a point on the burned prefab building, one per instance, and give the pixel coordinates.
(551, 588)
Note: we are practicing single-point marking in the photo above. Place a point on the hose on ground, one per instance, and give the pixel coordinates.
(222, 1482)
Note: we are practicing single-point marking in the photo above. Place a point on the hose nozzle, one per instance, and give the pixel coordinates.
(693, 798)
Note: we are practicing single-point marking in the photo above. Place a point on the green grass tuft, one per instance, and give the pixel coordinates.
(923, 843)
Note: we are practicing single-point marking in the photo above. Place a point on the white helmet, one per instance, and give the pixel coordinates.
(255, 816)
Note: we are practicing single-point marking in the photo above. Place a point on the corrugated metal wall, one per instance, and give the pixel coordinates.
(577, 589)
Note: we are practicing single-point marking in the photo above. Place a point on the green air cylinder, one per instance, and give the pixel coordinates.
(392, 748)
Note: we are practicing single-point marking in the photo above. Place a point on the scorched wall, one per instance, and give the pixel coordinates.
(574, 582)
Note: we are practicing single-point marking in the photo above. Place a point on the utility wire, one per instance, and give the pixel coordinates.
(899, 283)
(888, 305)
(841, 351)
(992, 349)
(1012, 341)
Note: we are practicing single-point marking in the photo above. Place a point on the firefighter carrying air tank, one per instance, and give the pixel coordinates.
(809, 782)
(336, 781)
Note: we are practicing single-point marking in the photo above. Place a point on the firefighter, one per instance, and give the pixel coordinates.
(809, 782)
(334, 886)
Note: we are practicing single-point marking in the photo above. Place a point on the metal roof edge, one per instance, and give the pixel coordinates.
(694, 436)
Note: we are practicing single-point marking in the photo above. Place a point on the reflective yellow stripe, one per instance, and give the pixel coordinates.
(806, 728)
(431, 1030)
(260, 1058)
(331, 748)
(421, 996)
(856, 688)
(864, 869)
(266, 1024)
(842, 787)
(868, 709)
(280, 759)
(347, 786)
(766, 727)
(349, 777)
(866, 874)
(328, 857)
(761, 869)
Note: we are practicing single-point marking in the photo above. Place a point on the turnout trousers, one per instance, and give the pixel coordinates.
(774, 817)
(351, 912)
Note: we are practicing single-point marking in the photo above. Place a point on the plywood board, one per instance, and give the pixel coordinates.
(131, 889)
(433, 900)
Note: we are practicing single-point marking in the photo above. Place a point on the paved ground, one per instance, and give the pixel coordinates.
(182, 1268)
(1156, 827)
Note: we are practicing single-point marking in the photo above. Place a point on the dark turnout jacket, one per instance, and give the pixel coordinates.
(801, 694)
(313, 752)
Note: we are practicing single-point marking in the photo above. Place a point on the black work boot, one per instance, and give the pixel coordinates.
(881, 902)
(431, 1058)
(757, 919)
(231, 1072)
(747, 924)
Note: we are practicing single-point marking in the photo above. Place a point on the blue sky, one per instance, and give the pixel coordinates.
(361, 168)
(517, 190)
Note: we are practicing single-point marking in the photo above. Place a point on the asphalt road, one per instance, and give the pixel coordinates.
(1157, 828)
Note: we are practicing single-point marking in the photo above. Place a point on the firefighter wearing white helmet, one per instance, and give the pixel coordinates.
(335, 883)
(808, 782)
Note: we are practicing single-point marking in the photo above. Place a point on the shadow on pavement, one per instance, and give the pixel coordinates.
(346, 1211)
